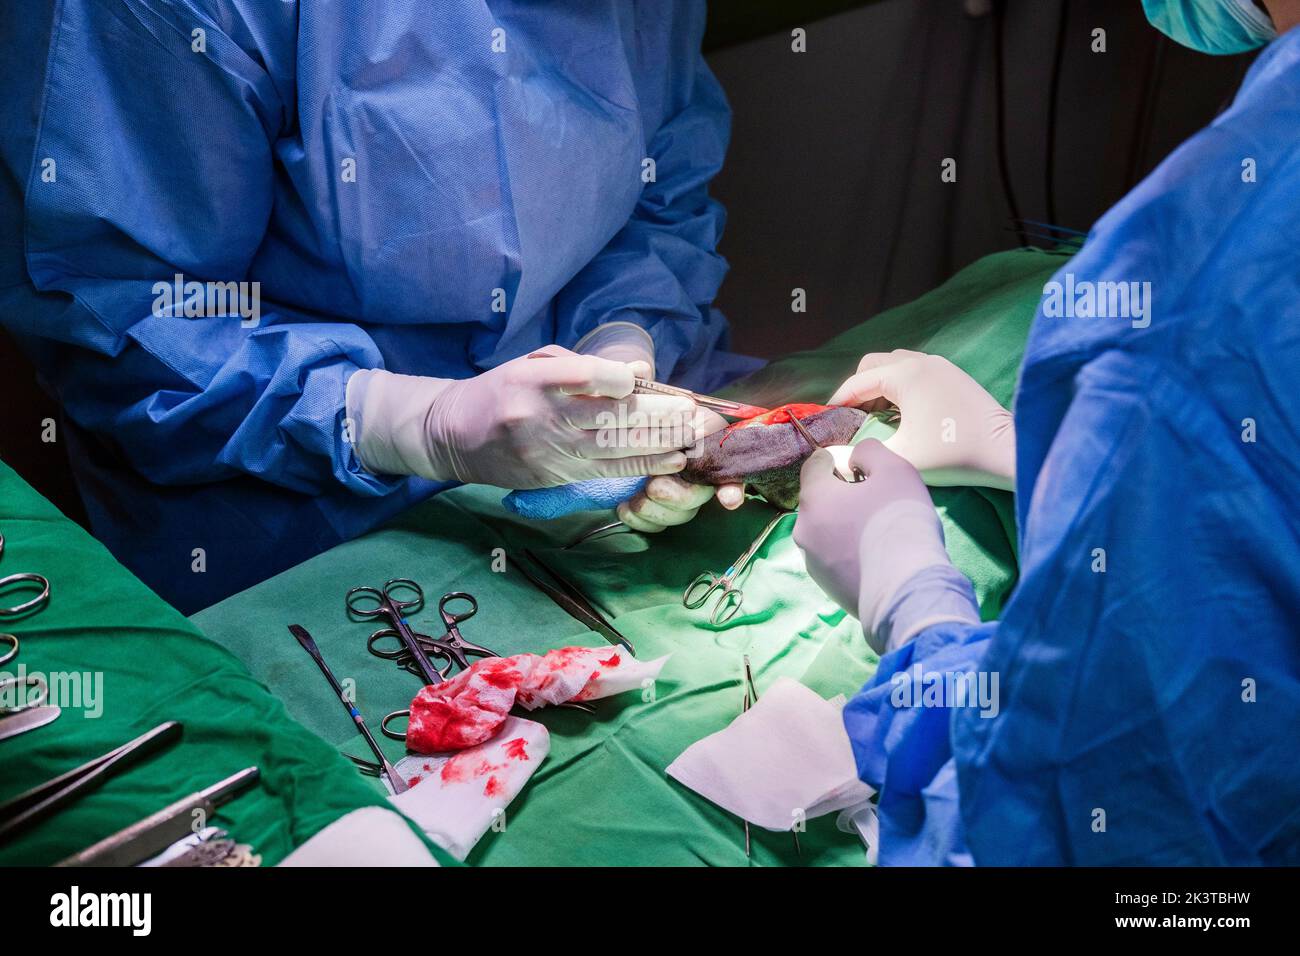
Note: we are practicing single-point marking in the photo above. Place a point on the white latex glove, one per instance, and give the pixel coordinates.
(534, 422)
(620, 342)
(669, 500)
(876, 546)
(666, 500)
(952, 430)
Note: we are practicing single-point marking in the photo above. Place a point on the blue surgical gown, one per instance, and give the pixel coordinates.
(1149, 660)
(381, 169)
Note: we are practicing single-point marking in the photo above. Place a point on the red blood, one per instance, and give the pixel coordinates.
(493, 788)
(458, 768)
(414, 780)
(502, 677)
(777, 416)
(468, 709)
(466, 766)
(515, 749)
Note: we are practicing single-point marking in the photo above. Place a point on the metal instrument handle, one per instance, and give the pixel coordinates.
(710, 583)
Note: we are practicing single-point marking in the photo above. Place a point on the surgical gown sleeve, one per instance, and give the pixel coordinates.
(154, 159)
(1148, 663)
(1146, 671)
(661, 270)
(899, 728)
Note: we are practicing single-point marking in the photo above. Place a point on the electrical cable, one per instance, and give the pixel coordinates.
(999, 92)
(1053, 97)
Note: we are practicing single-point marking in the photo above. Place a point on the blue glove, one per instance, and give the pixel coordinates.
(595, 494)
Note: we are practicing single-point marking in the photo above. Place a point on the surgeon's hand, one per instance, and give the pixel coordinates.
(547, 419)
(952, 430)
(876, 546)
(669, 500)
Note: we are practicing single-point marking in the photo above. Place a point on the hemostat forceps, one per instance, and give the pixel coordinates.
(451, 647)
(839, 453)
(706, 582)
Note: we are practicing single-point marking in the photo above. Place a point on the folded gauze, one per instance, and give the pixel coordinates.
(455, 798)
(785, 760)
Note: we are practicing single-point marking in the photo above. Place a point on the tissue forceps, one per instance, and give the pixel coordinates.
(706, 582)
(723, 406)
(569, 598)
(751, 698)
(47, 798)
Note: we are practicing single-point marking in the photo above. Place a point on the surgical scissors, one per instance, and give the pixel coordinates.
(22, 608)
(451, 647)
(706, 582)
(395, 610)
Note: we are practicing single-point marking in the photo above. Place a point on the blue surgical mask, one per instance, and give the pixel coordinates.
(1212, 26)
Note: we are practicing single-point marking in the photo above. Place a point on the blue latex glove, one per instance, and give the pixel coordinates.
(596, 494)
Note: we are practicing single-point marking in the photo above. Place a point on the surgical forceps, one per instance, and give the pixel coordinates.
(598, 533)
(47, 798)
(451, 647)
(22, 608)
(706, 582)
(751, 698)
(723, 406)
(568, 598)
(394, 610)
(843, 471)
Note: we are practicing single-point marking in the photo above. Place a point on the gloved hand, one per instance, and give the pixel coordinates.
(952, 430)
(669, 500)
(620, 342)
(537, 421)
(876, 546)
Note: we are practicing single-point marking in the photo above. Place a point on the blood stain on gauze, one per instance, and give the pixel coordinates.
(517, 749)
(465, 710)
(459, 795)
(477, 764)
(468, 709)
